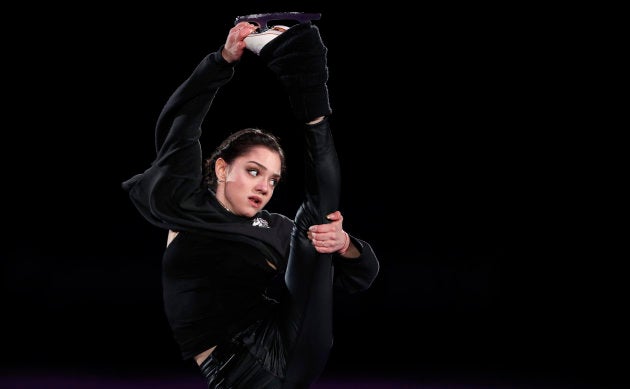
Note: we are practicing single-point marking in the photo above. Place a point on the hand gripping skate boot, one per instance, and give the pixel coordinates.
(265, 33)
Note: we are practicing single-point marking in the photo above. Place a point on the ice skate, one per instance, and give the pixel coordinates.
(266, 33)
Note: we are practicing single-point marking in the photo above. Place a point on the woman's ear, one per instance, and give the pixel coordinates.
(220, 169)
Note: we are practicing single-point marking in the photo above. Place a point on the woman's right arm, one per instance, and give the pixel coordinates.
(165, 192)
(178, 127)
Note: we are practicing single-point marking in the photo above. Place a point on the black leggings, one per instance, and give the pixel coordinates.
(290, 348)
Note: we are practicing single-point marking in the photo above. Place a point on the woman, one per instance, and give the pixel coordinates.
(249, 293)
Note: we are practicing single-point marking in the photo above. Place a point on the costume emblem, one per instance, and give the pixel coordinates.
(259, 222)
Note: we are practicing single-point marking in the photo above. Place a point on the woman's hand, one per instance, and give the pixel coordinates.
(331, 238)
(234, 43)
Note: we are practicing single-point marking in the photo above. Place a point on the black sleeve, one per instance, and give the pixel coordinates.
(356, 274)
(169, 192)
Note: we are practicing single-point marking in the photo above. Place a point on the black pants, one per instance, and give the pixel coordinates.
(290, 348)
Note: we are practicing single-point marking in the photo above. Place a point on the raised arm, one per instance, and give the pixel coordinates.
(178, 127)
(169, 192)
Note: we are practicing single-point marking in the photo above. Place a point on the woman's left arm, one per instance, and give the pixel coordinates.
(356, 264)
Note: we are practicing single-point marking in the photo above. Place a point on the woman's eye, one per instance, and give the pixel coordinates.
(253, 172)
(273, 182)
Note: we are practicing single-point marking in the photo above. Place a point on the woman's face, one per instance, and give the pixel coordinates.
(246, 185)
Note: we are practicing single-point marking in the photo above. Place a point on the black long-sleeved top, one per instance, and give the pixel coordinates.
(215, 272)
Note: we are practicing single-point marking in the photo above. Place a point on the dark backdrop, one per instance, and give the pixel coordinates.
(450, 170)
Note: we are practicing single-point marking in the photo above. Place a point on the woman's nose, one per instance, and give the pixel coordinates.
(262, 186)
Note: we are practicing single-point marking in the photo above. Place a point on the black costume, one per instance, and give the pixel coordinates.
(216, 277)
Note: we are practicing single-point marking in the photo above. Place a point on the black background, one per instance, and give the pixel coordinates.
(452, 168)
